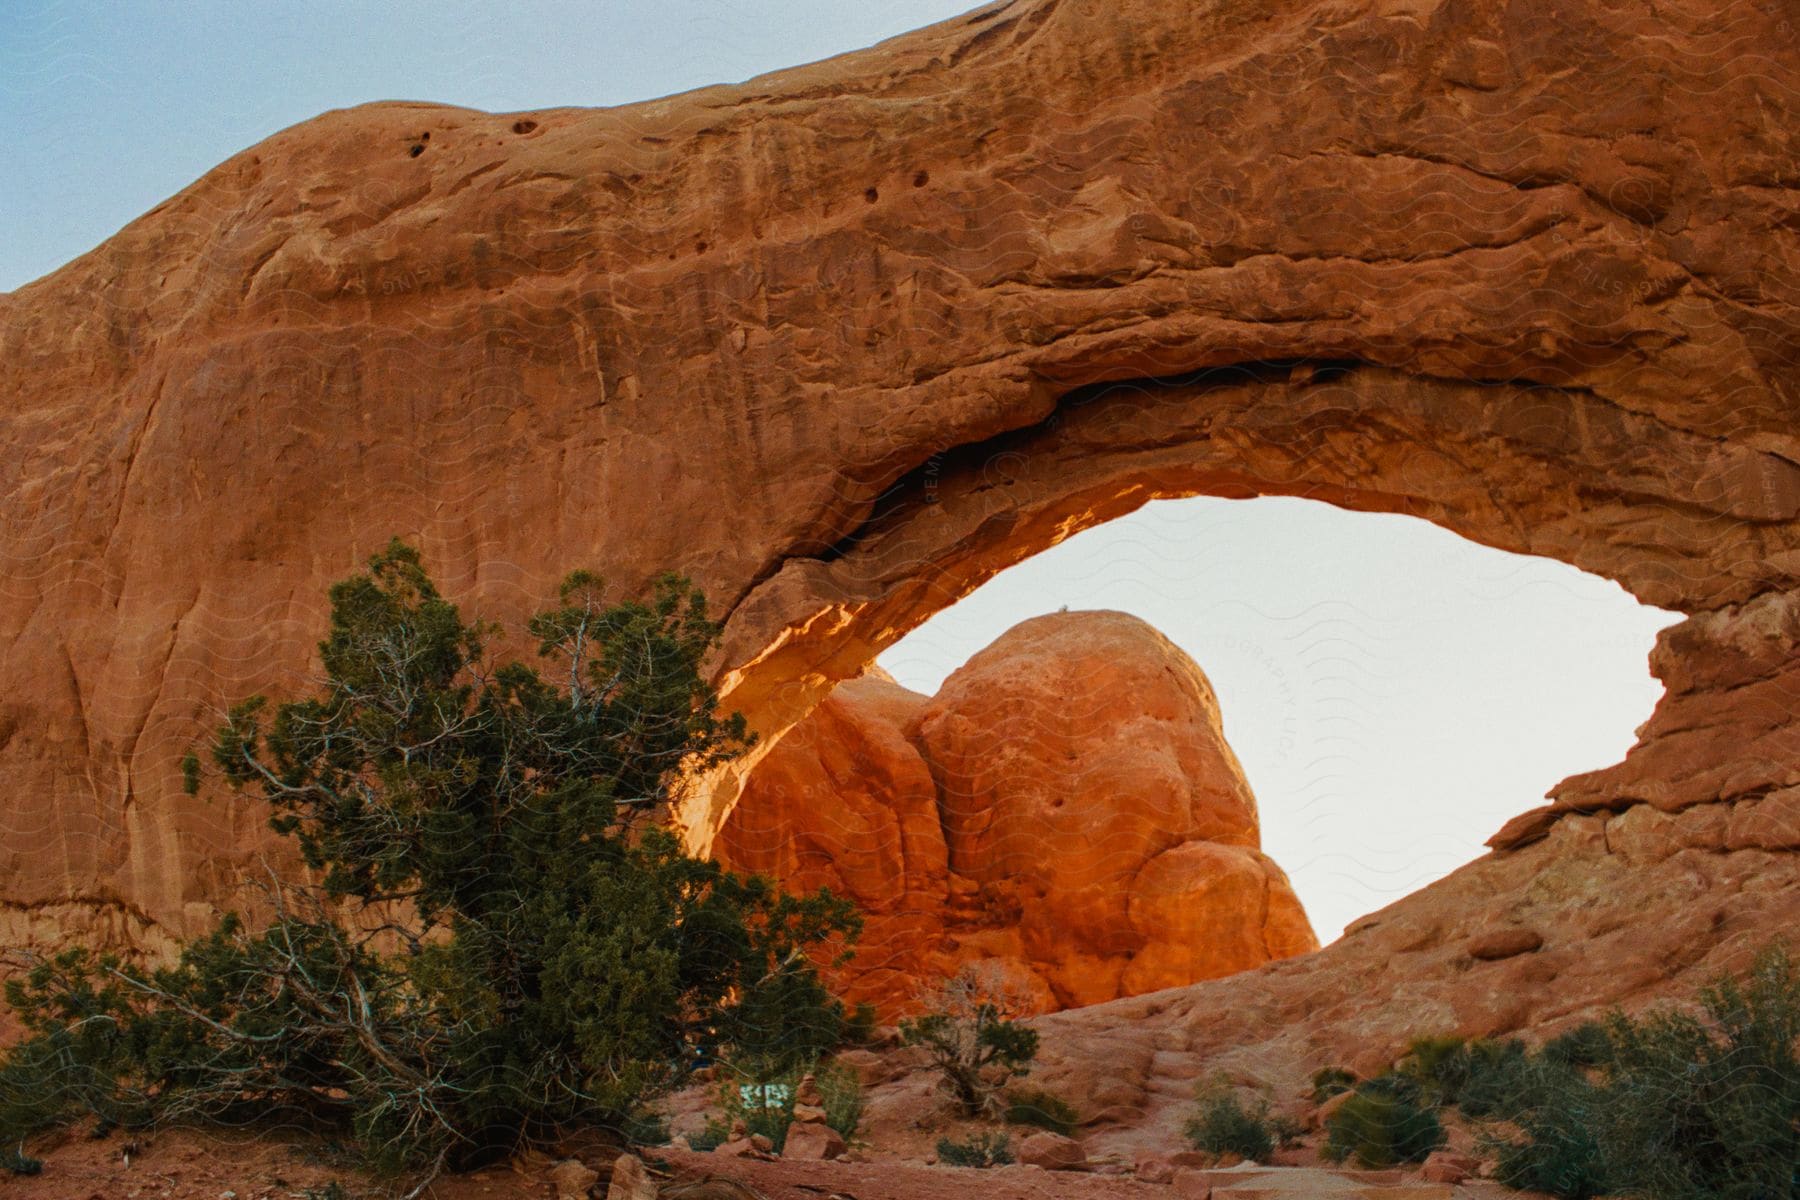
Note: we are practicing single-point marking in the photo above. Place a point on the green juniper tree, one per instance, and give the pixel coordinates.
(973, 1039)
(501, 941)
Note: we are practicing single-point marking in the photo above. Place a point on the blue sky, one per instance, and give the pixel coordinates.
(1394, 692)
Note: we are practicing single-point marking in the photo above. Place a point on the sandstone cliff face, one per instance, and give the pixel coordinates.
(1066, 806)
(844, 341)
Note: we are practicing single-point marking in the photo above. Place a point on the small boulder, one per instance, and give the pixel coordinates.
(1155, 1168)
(737, 1147)
(812, 1141)
(1053, 1152)
(1497, 944)
(870, 1067)
(1190, 1184)
(1445, 1166)
(572, 1179)
(630, 1180)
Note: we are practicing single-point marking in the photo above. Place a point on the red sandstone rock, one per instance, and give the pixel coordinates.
(1496, 944)
(1154, 1168)
(812, 1140)
(1771, 823)
(1052, 1152)
(1190, 1184)
(846, 802)
(1066, 806)
(1443, 1166)
(572, 1179)
(630, 1180)
(756, 1145)
(1084, 778)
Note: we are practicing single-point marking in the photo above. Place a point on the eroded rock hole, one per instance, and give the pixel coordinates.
(1180, 743)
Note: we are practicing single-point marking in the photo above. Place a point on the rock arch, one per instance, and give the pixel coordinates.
(842, 341)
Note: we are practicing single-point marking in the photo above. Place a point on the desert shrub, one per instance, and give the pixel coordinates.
(714, 1134)
(1560, 1152)
(1502, 1079)
(762, 1094)
(973, 1039)
(645, 1128)
(1331, 1081)
(1222, 1125)
(1382, 1125)
(1586, 1045)
(1677, 1104)
(1286, 1130)
(976, 1150)
(20, 1163)
(541, 952)
(1393, 1086)
(841, 1096)
(1707, 1103)
(1034, 1106)
(861, 1024)
(1439, 1065)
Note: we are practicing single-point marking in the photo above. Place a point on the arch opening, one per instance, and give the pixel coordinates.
(1394, 692)
(1538, 470)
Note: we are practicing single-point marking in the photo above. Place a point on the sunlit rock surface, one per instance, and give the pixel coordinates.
(1066, 808)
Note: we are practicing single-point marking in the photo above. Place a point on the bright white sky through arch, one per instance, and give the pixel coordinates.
(1394, 692)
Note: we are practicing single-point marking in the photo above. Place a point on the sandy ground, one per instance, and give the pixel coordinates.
(191, 1165)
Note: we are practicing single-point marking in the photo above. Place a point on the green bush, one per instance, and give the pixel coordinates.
(841, 1096)
(1560, 1153)
(1586, 1045)
(550, 955)
(1707, 1104)
(20, 1163)
(1223, 1126)
(861, 1024)
(1393, 1086)
(715, 1134)
(1286, 1130)
(645, 1128)
(1678, 1104)
(1382, 1125)
(973, 1039)
(1331, 1081)
(1502, 1079)
(1439, 1065)
(762, 1095)
(976, 1150)
(1034, 1106)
